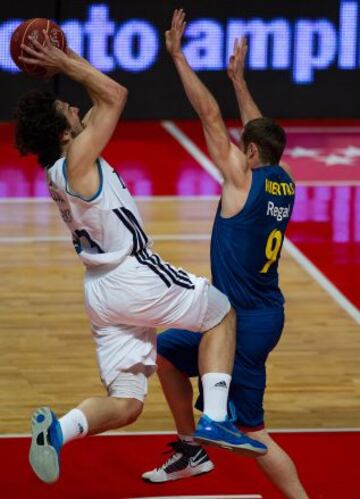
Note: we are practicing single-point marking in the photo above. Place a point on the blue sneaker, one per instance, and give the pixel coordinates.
(225, 434)
(45, 445)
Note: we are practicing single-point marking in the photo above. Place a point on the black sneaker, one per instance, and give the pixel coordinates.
(186, 460)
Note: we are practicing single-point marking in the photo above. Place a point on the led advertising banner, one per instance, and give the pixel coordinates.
(303, 58)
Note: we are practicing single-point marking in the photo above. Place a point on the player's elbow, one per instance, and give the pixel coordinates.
(117, 95)
(210, 113)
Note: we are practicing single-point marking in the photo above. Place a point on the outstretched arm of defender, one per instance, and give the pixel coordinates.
(248, 108)
(108, 99)
(227, 157)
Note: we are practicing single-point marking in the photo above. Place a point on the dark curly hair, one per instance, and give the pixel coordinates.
(268, 136)
(38, 127)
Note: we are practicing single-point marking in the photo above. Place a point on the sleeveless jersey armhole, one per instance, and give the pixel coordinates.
(73, 194)
(250, 200)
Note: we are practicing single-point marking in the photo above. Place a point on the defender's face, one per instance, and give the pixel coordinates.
(71, 114)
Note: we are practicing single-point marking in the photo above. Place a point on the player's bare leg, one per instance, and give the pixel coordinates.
(109, 413)
(216, 359)
(188, 458)
(216, 354)
(93, 415)
(178, 392)
(177, 388)
(221, 338)
(279, 467)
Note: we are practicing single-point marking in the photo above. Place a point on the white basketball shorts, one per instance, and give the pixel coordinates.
(127, 304)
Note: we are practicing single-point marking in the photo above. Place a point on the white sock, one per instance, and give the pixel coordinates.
(216, 390)
(73, 425)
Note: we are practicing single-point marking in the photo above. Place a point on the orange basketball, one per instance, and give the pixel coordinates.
(33, 28)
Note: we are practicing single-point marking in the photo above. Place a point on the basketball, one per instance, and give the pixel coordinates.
(33, 28)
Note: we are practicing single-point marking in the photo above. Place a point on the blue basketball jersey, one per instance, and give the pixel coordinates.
(245, 248)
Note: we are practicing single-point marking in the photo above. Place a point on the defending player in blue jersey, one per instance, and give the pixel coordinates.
(253, 213)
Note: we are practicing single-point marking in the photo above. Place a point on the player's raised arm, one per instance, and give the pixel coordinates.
(248, 108)
(108, 98)
(227, 157)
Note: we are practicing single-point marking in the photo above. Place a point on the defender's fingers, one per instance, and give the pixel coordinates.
(173, 18)
(244, 43)
(236, 45)
(178, 15)
(183, 28)
(180, 19)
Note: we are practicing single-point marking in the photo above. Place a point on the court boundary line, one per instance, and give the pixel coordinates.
(289, 247)
(322, 280)
(297, 254)
(192, 149)
(222, 496)
(154, 433)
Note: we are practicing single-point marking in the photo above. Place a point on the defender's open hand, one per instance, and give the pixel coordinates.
(173, 36)
(236, 65)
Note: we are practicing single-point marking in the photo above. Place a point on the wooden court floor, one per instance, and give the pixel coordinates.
(48, 357)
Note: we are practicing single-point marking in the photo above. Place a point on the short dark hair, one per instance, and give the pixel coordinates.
(269, 137)
(38, 126)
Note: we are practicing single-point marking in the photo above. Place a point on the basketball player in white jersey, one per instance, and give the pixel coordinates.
(129, 290)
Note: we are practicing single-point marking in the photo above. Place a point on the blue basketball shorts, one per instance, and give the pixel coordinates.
(258, 332)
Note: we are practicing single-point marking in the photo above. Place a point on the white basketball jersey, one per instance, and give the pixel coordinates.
(106, 228)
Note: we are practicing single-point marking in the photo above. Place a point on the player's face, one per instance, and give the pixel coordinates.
(71, 114)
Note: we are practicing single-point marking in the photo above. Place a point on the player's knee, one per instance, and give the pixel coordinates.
(126, 411)
(229, 321)
(134, 410)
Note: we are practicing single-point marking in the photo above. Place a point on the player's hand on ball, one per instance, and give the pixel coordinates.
(174, 34)
(236, 64)
(47, 56)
